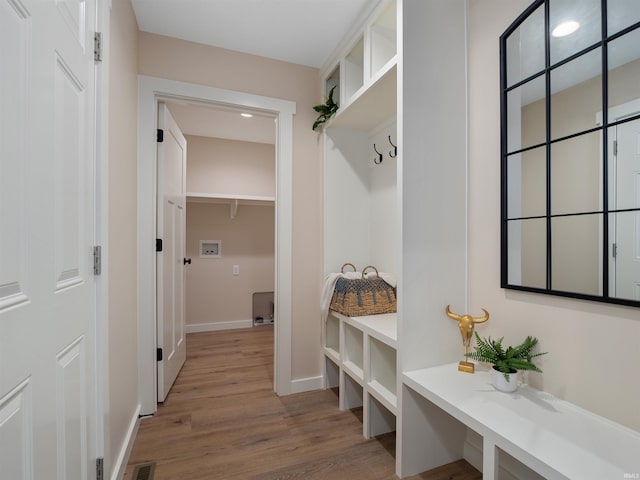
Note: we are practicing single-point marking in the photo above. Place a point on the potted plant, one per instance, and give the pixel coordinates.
(506, 361)
(326, 110)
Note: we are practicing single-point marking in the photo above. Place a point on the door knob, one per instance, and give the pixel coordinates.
(187, 260)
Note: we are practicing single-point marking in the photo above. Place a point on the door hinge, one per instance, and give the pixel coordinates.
(158, 244)
(615, 147)
(99, 468)
(614, 250)
(97, 46)
(158, 354)
(160, 136)
(97, 260)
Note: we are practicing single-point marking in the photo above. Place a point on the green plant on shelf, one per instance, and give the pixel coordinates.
(506, 360)
(326, 109)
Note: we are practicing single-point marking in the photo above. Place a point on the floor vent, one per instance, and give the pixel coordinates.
(144, 471)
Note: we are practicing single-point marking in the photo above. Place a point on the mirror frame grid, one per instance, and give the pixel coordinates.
(602, 128)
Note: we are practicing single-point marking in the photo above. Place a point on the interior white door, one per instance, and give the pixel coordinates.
(47, 209)
(627, 224)
(171, 218)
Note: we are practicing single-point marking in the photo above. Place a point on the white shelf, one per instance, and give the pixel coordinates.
(384, 395)
(372, 104)
(383, 327)
(232, 200)
(194, 197)
(553, 437)
(334, 355)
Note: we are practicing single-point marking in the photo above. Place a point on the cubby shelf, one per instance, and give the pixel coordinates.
(364, 366)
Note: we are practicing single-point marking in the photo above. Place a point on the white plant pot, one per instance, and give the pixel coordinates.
(502, 383)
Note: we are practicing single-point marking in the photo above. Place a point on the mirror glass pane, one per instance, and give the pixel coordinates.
(576, 254)
(576, 95)
(528, 252)
(624, 167)
(526, 115)
(621, 14)
(527, 179)
(624, 267)
(586, 13)
(525, 48)
(624, 69)
(576, 175)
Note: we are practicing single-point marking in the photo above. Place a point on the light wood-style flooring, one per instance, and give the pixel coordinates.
(222, 420)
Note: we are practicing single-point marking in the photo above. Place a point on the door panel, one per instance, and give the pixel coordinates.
(68, 156)
(14, 33)
(47, 289)
(627, 228)
(171, 202)
(71, 411)
(15, 433)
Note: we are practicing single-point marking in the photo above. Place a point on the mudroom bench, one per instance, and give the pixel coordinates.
(553, 437)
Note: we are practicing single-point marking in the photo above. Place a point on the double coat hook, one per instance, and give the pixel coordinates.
(392, 153)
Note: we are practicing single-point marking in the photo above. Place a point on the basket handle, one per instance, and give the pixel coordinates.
(366, 268)
(350, 265)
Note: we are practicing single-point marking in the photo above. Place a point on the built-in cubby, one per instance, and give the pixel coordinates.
(332, 338)
(354, 69)
(382, 373)
(384, 41)
(353, 354)
(333, 81)
(351, 393)
(366, 369)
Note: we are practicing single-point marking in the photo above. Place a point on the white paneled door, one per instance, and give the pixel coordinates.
(171, 211)
(627, 224)
(47, 209)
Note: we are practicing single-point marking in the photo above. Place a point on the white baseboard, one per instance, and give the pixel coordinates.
(306, 384)
(211, 327)
(120, 463)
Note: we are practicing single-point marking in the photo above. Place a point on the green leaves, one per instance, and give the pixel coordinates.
(326, 110)
(509, 359)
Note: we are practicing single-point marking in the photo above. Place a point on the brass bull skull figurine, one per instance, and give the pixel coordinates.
(466, 324)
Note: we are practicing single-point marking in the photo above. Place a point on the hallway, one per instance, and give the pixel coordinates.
(222, 420)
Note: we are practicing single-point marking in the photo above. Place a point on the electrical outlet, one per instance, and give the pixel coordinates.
(236, 269)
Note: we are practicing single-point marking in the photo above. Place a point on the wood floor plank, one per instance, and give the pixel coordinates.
(222, 420)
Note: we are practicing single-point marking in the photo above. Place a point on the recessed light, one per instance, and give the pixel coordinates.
(246, 115)
(565, 28)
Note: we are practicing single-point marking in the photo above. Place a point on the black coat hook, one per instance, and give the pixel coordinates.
(377, 160)
(393, 153)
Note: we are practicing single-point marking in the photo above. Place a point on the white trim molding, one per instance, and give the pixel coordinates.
(121, 461)
(216, 326)
(307, 384)
(151, 90)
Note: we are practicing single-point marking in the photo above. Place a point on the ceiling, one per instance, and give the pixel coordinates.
(297, 31)
(206, 121)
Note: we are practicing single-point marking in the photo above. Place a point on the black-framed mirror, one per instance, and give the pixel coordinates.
(570, 126)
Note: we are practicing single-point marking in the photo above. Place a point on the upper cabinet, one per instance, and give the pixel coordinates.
(364, 72)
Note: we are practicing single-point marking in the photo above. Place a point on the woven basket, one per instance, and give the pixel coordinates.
(363, 296)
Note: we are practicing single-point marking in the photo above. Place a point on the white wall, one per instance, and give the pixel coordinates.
(361, 207)
(592, 347)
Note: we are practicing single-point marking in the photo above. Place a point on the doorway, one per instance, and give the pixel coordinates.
(151, 91)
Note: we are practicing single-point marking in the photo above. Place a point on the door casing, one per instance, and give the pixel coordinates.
(151, 90)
